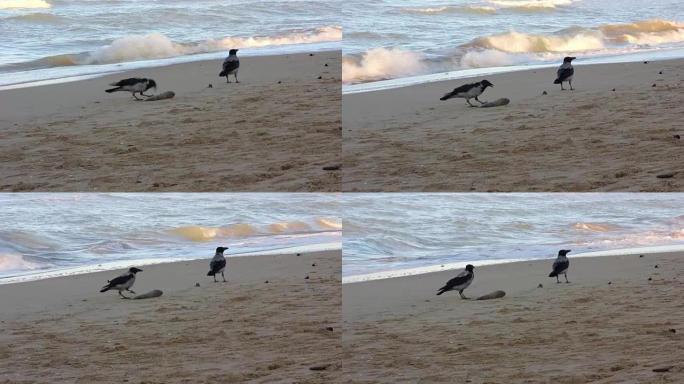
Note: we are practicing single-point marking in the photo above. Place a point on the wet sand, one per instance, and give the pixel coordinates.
(590, 139)
(247, 330)
(274, 131)
(611, 324)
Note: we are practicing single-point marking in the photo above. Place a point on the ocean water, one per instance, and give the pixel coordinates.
(393, 39)
(55, 39)
(53, 234)
(399, 234)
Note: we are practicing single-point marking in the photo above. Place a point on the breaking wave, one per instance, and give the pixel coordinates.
(200, 233)
(40, 18)
(531, 4)
(12, 262)
(159, 46)
(381, 63)
(473, 9)
(514, 48)
(23, 4)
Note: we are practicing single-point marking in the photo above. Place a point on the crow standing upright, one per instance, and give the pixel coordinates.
(561, 265)
(122, 283)
(230, 66)
(565, 73)
(218, 264)
(460, 282)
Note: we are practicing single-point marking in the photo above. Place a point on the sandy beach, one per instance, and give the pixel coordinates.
(615, 132)
(268, 324)
(618, 320)
(274, 131)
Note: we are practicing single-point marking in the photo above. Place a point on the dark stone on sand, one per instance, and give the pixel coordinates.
(197, 284)
(210, 86)
(653, 85)
(672, 330)
(311, 54)
(266, 282)
(319, 367)
(660, 73)
(613, 89)
(540, 285)
(545, 93)
(641, 255)
(666, 175)
(663, 369)
(610, 282)
(334, 167)
(299, 254)
(649, 279)
(307, 277)
(329, 329)
(645, 62)
(677, 137)
(320, 77)
(313, 265)
(656, 266)
(279, 82)
(326, 64)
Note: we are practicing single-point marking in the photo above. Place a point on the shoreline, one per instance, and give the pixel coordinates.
(279, 129)
(277, 316)
(399, 273)
(115, 265)
(103, 70)
(625, 310)
(402, 82)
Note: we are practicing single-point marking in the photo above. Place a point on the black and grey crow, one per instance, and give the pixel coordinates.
(469, 91)
(565, 73)
(460, 282)
(561, 265)
(133, 85)
(218, 264)
(230, 66)
(122, 283)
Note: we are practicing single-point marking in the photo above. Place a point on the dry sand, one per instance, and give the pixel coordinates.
(63, 330)
(590, 139)
(398, 331)
(259, 135)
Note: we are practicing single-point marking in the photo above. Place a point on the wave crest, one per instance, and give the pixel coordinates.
(381, 63)
(451, 9)
(24, 4)
(531, 4)
(12, 261)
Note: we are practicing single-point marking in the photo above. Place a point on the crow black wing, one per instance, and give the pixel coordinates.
(116, 281)
(230, 66)
(565, 73)
(125, 82)
(455, 282)
(216, 265)
(558, 267)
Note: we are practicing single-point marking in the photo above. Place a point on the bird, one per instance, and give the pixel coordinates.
(469, 91)
(230, 65)
(561, 265)
(565, 73)
(123, 282)
(460, 282)
(133, 85)
(218, 264)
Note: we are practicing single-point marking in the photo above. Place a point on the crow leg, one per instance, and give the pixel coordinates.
(227, 79)
(136, 97)
(224, 277)
(562, 89)
(122, 295)
(557, 281)
(468, 101)
(571, 88)
(236, 80)
(478, 100)
(131, 291)
(460, 293)
(215, 281)
(143, 94)
(566, 277)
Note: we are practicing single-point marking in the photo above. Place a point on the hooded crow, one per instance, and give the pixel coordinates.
(460, 282)
(133, 85)
(230, 66)
(469, 91)
(218, 264)
(122, 283)
(561, 265)
(565, 73)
